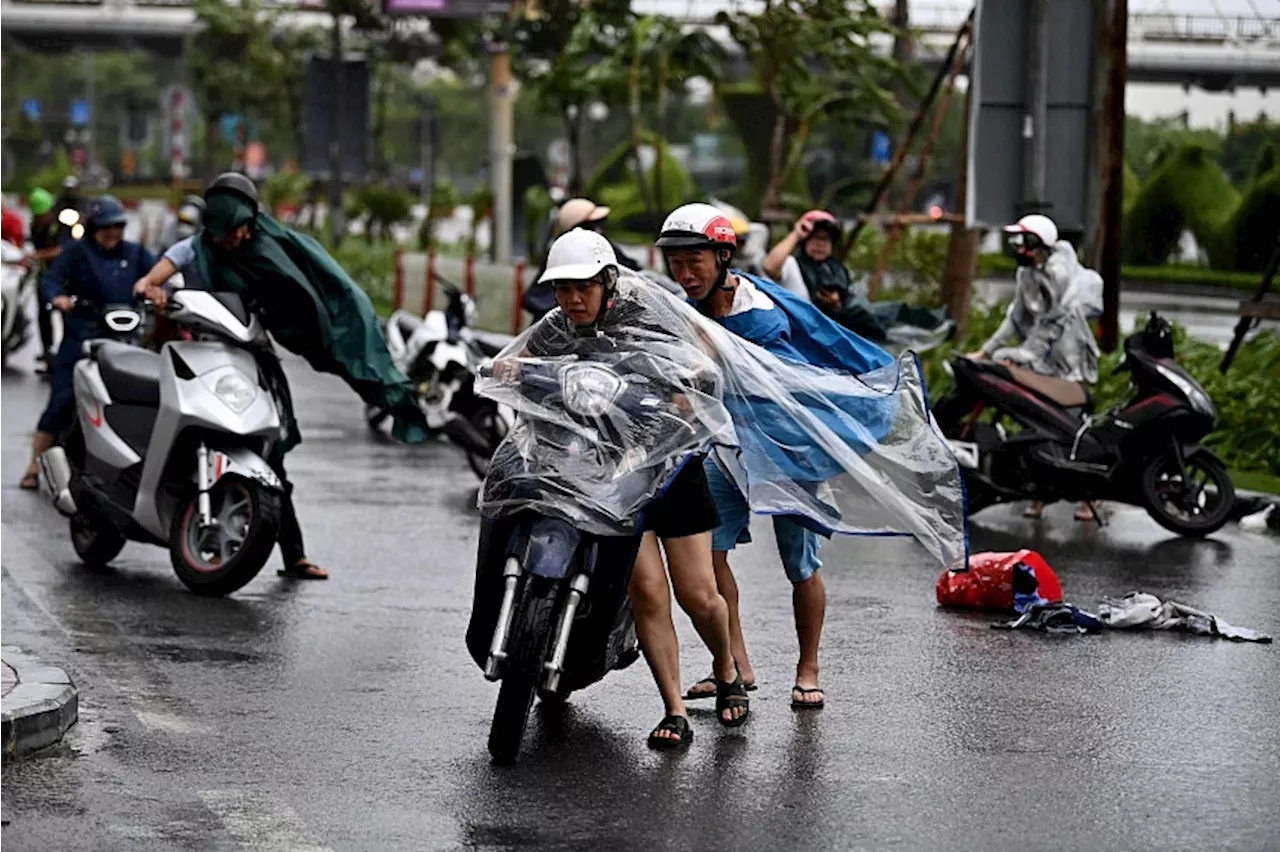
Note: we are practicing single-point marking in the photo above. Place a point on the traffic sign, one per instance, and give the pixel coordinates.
(881, 147)
(80, 113)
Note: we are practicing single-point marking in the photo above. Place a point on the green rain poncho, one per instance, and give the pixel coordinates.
(310, 306)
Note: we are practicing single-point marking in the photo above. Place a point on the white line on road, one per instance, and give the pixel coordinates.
(261, 822)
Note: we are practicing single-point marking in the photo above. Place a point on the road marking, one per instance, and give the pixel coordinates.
(261, 822)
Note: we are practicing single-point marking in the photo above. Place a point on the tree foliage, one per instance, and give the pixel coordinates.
(814, 59)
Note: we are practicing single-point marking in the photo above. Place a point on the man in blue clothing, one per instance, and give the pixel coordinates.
(86, 277)
(698, 242)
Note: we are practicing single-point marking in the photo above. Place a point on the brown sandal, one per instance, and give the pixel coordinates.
(30, 481)
(304, 570)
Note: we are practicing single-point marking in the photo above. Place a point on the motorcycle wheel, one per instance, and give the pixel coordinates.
(489, 423)
(221, 559)
(95, 544)
(1170, 504)
(529, 641)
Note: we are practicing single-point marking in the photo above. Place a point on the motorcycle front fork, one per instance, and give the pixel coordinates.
(204, 482)
(554, 665)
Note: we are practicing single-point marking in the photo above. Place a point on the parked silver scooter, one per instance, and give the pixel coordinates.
(170, 448)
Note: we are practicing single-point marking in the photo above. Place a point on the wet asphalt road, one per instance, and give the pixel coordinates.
(347, 715)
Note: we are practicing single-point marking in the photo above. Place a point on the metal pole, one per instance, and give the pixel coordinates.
(1115, 44)
(501, 148)
(1035, 122)
(91, 74)
(336, 213)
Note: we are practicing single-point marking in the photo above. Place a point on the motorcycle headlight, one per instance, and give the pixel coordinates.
(1198, 398)
(236, 390)
(589, 390)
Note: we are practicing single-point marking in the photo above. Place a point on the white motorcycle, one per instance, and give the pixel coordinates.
(17, 282)
(440, 354)
(170, 448)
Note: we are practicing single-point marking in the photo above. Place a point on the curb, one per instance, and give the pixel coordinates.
(39, 709)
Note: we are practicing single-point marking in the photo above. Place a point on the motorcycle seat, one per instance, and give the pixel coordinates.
(131, 374)
(1063, 392)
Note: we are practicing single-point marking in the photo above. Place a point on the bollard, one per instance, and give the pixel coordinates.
(398, 295)
(428, 292)
(519, 296)
(469, 275)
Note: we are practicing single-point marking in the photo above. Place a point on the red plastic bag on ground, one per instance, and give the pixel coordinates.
(992, 579)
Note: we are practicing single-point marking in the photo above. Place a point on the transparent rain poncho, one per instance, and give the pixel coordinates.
(844, 453)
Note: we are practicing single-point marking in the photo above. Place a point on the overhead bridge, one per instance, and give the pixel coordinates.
(1213, 52)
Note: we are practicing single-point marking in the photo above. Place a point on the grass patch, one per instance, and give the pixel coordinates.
(1256, 480)
(995, 263)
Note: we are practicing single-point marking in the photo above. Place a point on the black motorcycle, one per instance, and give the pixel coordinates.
(1042, 442)
(551, 614)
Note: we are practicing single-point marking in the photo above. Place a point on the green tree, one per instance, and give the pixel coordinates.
(234, 65)
(557, 52)
(814, 59)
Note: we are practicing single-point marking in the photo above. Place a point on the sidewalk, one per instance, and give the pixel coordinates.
(38, 703)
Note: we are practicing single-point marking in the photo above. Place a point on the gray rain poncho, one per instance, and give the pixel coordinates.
(606, 419)
(1050, 312)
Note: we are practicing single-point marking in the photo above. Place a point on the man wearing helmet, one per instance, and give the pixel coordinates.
(583, 274)
(184, 223)
(1054, 299)
(574, 213)
(310, 306)
(698, 243)
(87, 276)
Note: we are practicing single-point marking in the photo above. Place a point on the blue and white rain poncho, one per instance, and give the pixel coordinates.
(826, 427)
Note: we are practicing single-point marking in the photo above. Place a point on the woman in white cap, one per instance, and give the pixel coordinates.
(574, 213)
(1054, 299)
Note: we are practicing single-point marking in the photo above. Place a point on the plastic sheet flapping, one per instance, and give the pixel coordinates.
(605, 420)
(844, 453)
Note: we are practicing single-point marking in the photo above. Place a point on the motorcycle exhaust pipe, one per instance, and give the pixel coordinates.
(511, 572)
(56, 471)
(554, 666)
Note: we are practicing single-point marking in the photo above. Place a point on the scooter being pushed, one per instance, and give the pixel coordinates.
(440, 354)
(1044, 444)
(170, 448)
(550, 613)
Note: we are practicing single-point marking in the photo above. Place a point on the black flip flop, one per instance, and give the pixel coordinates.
(807, 705)
(730, 696)
(29, 482)
(690, 695)
(678, 725)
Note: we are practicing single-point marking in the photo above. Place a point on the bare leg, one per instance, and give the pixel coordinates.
(39, 445)
(651, 606)
(693, 577)
(728, 586)
(809, 601)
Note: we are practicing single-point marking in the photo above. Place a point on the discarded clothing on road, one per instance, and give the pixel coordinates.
(1135, 611)
(1141, 611)
(1054, 618)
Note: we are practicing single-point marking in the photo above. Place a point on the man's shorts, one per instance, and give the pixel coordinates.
(797, 545)
(686, 507)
